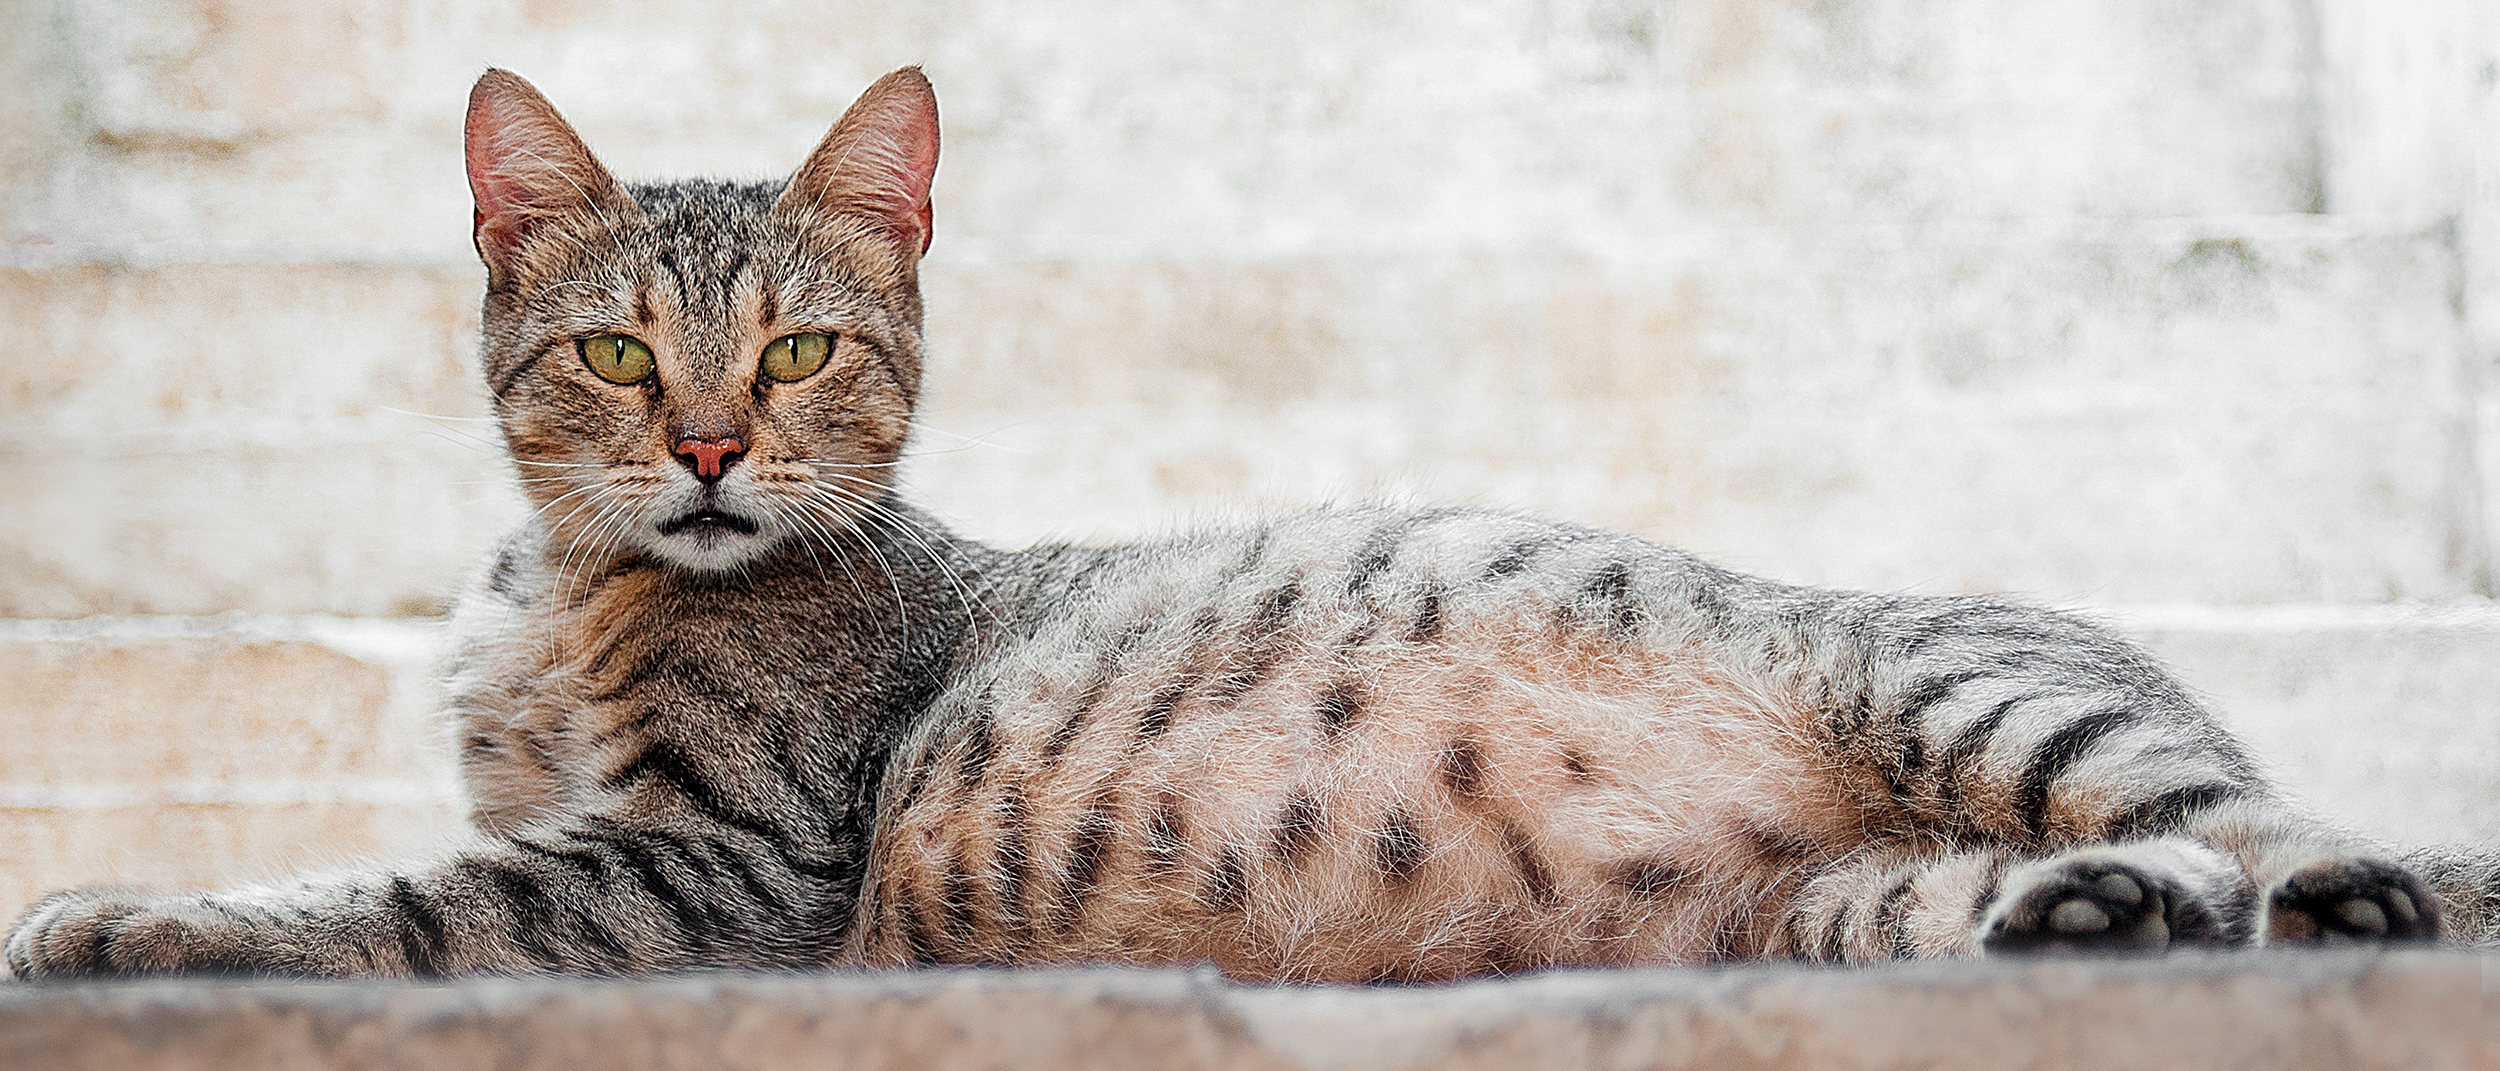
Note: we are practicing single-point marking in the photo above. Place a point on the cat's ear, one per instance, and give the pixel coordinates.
(528, 168)
(876, 163)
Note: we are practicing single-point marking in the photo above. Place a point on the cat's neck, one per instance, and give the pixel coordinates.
(894, 572)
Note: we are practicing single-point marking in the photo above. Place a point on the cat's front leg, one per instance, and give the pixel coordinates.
(593, 895)
(116, 932)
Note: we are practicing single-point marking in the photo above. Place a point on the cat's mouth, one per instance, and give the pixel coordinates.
(708, 522)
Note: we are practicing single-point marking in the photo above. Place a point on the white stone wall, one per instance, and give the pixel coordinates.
(2182, 312)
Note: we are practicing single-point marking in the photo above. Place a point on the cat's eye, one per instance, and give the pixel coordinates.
(617, 358)
(792, 358)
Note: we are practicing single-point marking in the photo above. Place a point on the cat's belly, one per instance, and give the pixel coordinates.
(1499, 798)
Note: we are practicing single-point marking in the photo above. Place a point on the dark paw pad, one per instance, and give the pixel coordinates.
(2098, 906)
(2352, 900)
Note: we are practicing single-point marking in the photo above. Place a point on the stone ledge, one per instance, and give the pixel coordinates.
(2281, 1011)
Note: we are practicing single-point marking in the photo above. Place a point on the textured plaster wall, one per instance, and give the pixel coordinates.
(2112, 301)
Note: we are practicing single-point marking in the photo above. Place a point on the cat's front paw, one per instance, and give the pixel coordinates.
(2352, 900)
(96, 933)
(2097, 905)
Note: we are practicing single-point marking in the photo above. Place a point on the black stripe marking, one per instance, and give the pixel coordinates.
(1928, 692)
(2168, 812)
(1990, 884)
(1651, 876)
(1297, 829)
(1106, 670)
(2054, 755)
(1085, 858)
(1890, 911)
(1229, 885)
(1276, 610)
(979, 742)
(1157, 717)
(728, 279)
(662, 762)
(1514, 560)
(1960, 757)
(748, 879)
(1337, 708)
(1529, 862)
(701, 921)
(1611, 589)
(1427, 617)
(1779, 848)
(956, 902)
(512, 375)
(646, 668)
(1014, 862)
(1059, 739)
(1462, 768)
(531, 910)
(589, 863)
(916, 946)
(668, 260)
(1163, 834)
(1836, 936)
(421, 934)
(1398, 848)
(1718, 616)
(505, 580)
(1375, 555)
(1245, 675)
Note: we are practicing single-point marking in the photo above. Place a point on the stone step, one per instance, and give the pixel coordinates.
(2276, 1011)
(197, 752)
(186, 753)
(156, 131)
(2133, 412)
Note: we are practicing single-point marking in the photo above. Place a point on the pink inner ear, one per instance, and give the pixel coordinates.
(890, 165)
(525, 165)
(879, 161)
(498, 197)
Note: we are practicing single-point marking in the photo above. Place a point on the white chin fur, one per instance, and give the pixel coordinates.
(710, 550)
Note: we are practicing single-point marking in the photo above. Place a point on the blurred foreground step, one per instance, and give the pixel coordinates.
(2277, 1011)
(184, 752)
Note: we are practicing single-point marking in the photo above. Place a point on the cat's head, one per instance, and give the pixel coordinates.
(700, 371)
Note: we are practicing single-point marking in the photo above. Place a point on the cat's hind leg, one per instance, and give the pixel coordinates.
(1900, 903)
(2319, 885)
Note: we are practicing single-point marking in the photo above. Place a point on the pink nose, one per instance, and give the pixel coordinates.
(709, 457)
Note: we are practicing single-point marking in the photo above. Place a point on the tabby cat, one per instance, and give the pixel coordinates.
(727, 702)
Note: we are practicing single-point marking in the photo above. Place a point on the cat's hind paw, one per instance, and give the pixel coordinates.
(2096, 905)
(2351, 899)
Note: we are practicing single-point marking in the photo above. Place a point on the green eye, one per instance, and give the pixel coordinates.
(617, 358)
(792, 358)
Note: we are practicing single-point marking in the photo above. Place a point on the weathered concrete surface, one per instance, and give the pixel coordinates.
(197, 753)
(2277, 1012)
(2122, 413)
(2385, 719)
(2118, 300)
